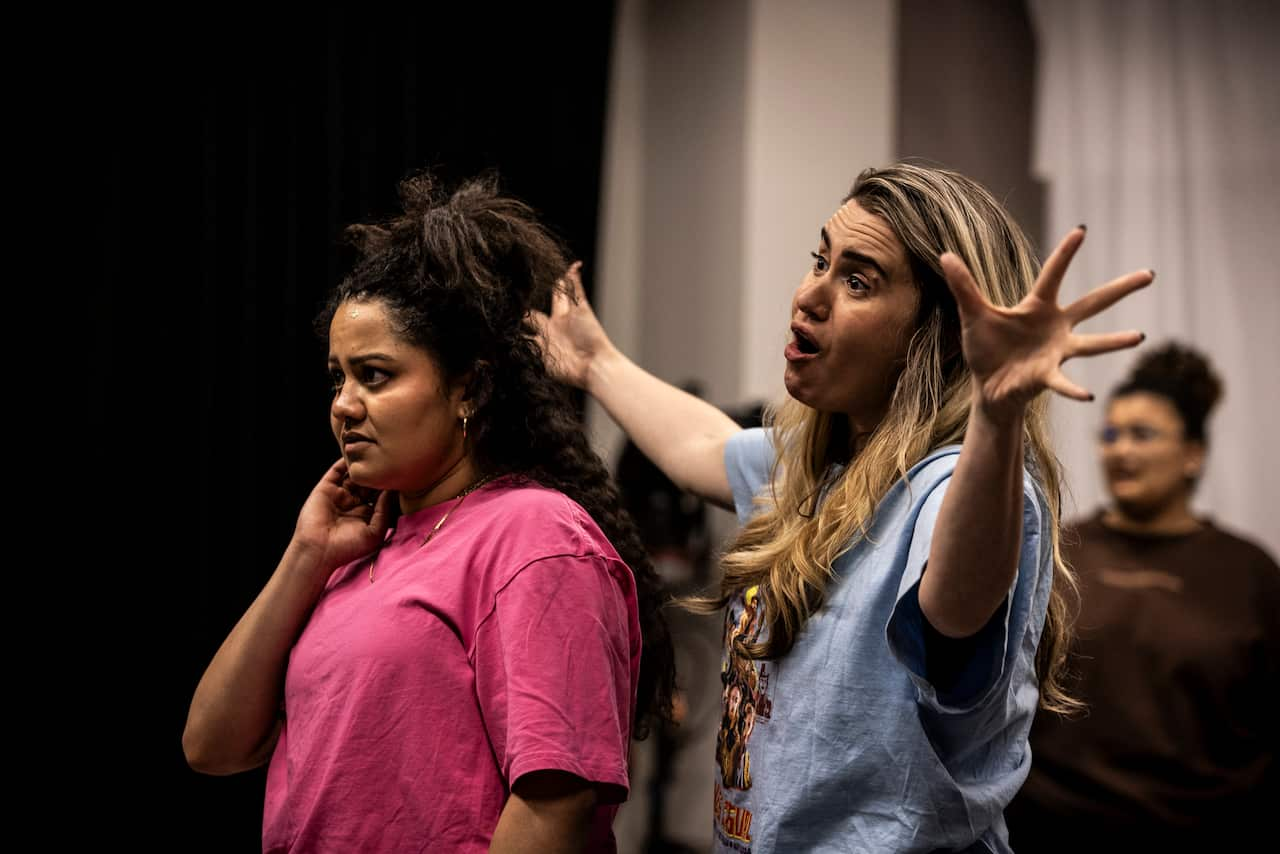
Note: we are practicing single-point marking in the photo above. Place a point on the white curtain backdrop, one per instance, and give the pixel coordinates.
(1157, 125)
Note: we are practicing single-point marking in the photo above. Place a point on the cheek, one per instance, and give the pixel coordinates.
(884, 355)
(1172, 469)
(902, 341)
(433, 427)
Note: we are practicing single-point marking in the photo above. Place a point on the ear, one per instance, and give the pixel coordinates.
(476, 386)
(1193, 460)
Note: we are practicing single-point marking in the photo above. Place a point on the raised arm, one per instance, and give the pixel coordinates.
(1014, 354)
(683, 434)
(233, 722)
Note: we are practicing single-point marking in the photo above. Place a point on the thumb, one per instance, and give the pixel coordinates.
(961, 284)
(380, 520)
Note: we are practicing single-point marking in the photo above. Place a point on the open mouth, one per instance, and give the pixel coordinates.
(804, 343)
(1121, 477)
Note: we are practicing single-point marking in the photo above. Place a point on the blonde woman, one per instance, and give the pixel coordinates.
(900, 519)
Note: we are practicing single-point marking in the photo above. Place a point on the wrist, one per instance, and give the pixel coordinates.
(1000, 413)
(602, 365)
(302, 572)
(306, 556)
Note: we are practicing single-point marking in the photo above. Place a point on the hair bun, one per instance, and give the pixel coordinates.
(1181, 374)
(1184, 366)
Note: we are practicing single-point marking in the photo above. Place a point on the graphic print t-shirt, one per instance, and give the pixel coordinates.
(844, 744)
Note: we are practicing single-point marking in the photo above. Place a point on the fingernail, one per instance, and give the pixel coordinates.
(1082, 227)
(1090, 398)
(1153, 274)
(1142, 336)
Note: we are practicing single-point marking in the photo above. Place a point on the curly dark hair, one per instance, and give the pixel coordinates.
(458, 272)
(1182, 376)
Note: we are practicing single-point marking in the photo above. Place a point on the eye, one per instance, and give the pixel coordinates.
(819, 263)
(336, 379)
(857, 283)
(372, 376)
(1142, 433)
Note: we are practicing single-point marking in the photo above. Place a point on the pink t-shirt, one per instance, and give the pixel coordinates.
(509, 644)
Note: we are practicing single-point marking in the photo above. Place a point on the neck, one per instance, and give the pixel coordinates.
(460, 475)
(860, 430)
(1172, 519)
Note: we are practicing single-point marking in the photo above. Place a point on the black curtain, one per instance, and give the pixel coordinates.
(233, 150)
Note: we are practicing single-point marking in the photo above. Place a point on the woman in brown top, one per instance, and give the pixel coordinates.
(1177, 651)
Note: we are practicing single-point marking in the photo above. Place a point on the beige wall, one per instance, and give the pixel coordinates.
(820, 99)
(673, 209)
(734, 130)
(966, 89)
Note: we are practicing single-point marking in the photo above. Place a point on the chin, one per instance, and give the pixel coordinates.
(797, 390)
(362, 474)
(1125, 494)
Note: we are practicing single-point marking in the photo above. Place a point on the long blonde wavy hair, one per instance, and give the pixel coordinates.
(790, 547)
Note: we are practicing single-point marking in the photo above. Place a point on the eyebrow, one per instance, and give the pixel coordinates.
(856, 257)
(366, 357)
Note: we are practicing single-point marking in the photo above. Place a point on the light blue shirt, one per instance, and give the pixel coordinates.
(843, 745)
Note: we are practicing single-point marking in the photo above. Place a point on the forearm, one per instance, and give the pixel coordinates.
(977, 537)
(681, 433)
(232, 722)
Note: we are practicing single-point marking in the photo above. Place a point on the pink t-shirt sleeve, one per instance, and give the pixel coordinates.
(555, 666)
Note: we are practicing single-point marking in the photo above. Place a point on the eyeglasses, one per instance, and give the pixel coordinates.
(1138, 433)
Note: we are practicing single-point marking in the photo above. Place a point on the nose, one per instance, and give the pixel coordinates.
(811, 298)
(347, 406)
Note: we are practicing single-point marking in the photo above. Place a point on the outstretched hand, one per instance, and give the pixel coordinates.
(1015, 353)
(341, 520)
(572, 334)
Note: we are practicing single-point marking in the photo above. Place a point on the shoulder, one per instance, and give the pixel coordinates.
(918, 503)
(541, 521)
(515, 495)
(1086, 524)
(939, 464)
(935, 468)
(749, 447)
(1241, 545)
(1239, 551)
(1081, 533)
(748, 464)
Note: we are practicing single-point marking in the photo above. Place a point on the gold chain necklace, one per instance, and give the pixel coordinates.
(457, 502)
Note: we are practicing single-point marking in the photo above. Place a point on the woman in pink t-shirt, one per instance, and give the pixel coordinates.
(449, 655)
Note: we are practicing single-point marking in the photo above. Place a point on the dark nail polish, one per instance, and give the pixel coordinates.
(1153, 274)
(1082, 227)
(1090, 396)
(1142, 336)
